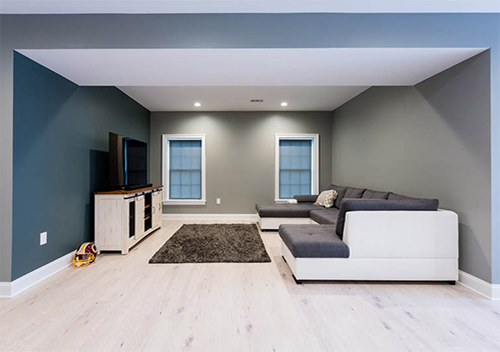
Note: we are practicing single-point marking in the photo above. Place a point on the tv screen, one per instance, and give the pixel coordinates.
(128, 165)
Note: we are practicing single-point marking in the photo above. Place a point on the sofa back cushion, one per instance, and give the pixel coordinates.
(352, 192)
(340, 194)
(379, 205)
(306, 198)
(370, 194)
(396, 196)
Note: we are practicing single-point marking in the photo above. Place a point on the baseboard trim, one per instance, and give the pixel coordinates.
(11, 289)
(485, 289)
(218, 217)
(5, 289)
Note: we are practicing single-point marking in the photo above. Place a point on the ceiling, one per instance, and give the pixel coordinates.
(238, 98)
(245, 6)
(250, 67)
(227, 79)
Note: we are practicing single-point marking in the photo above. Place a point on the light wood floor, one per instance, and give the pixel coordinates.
(123, 303)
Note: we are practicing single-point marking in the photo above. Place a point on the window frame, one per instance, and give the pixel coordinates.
(166, 138)
(314, 137)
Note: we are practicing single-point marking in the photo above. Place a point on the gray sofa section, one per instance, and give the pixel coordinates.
(301, 210)
(305, 207)
(380, 205)
(325, 239)
(325, 216)
(313, 241)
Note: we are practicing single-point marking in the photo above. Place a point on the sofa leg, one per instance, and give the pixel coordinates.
(298, 282)
(451, 282)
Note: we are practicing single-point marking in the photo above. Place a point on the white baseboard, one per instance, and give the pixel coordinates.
(215, 217)
(10, 289)
(490, 291)
(5, 289)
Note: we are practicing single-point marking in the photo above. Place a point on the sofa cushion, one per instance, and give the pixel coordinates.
(352, 192)
(313, 241)
(300, 210)
(370, 194)
(325, 216)
(306, 198)
(340, 194)
(396, 196)
(380, 205)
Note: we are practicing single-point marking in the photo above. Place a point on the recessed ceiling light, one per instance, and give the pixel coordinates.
(197, 104)
(284, 103)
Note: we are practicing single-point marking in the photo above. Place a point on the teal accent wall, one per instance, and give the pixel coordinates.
(60, 159)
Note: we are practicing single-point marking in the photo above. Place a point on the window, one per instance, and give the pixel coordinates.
(296, 165)
(184, 169)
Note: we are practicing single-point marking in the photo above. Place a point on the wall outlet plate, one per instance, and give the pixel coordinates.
(43, 238)
(217, 201)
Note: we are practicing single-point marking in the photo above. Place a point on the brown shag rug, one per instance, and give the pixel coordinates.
(213, 243)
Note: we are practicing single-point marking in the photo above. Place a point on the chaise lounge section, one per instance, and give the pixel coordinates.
(367, 235)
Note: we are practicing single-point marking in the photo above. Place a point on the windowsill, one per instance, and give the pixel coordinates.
(285, 201)
(184, 202)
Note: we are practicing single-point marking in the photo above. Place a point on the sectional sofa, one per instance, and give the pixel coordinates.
(367, 235)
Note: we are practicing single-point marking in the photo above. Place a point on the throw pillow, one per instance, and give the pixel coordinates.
(327, 198)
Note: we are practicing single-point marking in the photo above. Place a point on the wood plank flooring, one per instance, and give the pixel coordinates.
(122, 303)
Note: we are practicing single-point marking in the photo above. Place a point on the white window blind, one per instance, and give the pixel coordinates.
(185, 169)
(295, 167)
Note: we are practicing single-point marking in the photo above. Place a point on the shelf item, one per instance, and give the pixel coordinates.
(123, 218)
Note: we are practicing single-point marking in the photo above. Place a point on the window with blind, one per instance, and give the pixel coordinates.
(184, 173)
(296, 166)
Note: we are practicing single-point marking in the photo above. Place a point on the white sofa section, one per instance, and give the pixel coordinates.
(273, 224)
(389, 245)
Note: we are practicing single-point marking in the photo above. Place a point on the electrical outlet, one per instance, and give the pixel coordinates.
(218, 201)
(43, 238)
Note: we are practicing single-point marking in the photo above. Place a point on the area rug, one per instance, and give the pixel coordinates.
(213, 243)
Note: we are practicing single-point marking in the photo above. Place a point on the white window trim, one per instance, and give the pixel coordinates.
(165, 168)
(315, 162)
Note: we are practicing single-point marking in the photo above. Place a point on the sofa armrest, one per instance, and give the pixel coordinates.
(306, 198)
(356, 204)
(402, 234)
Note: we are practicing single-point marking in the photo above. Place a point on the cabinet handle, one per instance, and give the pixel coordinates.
(153, 210)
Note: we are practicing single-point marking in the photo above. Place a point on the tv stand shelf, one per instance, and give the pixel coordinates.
(124, 217)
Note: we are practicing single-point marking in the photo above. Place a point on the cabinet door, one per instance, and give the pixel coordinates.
(157, 208)
(139, 217)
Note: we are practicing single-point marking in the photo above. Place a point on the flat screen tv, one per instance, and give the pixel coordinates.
(128, 163)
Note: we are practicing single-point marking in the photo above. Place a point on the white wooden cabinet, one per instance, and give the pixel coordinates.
(156, 203)
(123, 218)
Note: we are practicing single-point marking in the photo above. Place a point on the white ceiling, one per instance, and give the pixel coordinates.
(238, 98)
(245, 6)
(226, 79)
(250, 67)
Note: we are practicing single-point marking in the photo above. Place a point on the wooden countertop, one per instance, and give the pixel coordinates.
(123, 191)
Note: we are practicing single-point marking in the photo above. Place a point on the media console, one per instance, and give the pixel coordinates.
(124, 217)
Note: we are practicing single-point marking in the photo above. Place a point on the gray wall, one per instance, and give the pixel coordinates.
(239, 153)
(60, 159)
(238, 31)
(431, 140)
